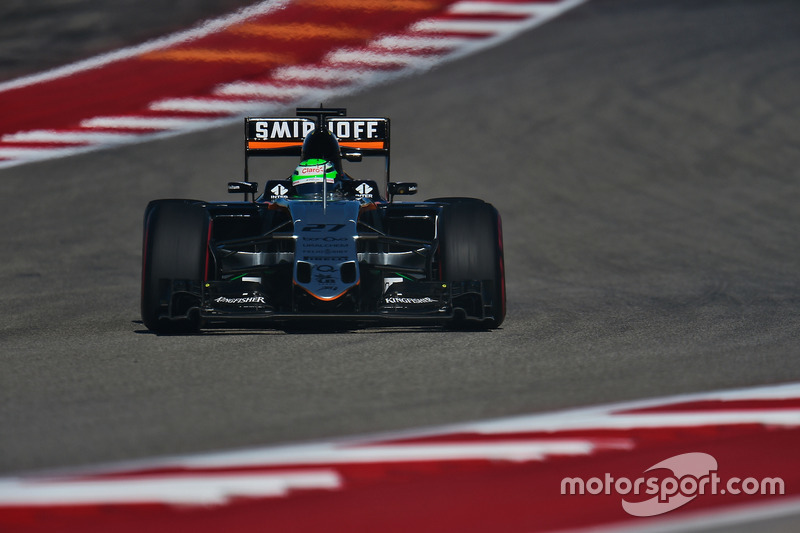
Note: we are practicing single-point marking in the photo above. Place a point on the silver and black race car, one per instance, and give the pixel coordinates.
(321, 247)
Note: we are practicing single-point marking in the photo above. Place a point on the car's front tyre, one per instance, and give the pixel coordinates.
(471, 248)
(174, 248)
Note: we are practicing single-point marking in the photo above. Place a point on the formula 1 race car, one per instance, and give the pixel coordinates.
(321, 247)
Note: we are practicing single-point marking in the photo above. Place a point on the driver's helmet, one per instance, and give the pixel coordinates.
(322, 144)
(312, 177)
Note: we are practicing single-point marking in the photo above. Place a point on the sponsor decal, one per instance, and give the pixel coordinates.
(296, 129)
(692, 474)
(282, 129)
(243, 300)
(279, 191)
(411, 301)
(325, 279)
(364, 191)
(356, 129)
(324, 227)
(313, 169)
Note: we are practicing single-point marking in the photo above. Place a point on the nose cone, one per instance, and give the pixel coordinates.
(325, 260)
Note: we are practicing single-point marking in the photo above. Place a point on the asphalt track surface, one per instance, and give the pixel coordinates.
(50, 33)
(645, 158)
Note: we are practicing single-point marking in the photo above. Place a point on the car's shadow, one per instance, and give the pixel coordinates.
(304, 329)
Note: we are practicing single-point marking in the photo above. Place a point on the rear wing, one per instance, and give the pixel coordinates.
(284, 136)
(277, 136)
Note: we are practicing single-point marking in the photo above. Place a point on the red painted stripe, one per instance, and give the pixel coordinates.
(128, 86)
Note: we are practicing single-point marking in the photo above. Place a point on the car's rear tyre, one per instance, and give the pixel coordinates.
(175, 247)
(471, 248)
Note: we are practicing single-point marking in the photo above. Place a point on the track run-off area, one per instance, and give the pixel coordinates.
(260, 59)
(511, 474)
(644, 157)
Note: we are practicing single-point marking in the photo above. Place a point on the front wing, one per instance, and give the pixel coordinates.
(244, 304)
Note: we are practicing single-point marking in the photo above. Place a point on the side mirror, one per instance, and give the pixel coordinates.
(246, 187)
(353, 157)
(406, 189)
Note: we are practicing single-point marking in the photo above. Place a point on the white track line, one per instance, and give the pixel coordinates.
(189, 486)
(323, 74)
(329, 454)
(72, 136)
(144, 123)
(613, 415)
(419, 42)
(209, 27)
(375, 58)
(25, 154)
(784, 418)
(504, 8)
(264, 90)
(481, 27)
(187, 489)
(208, 105)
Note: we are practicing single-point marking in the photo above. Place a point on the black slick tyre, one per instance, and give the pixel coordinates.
(471, 248)
(174, 248)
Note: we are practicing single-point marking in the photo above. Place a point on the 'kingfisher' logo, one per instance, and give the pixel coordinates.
(245, 300)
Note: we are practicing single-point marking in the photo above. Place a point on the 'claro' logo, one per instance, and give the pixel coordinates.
(693, 474)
